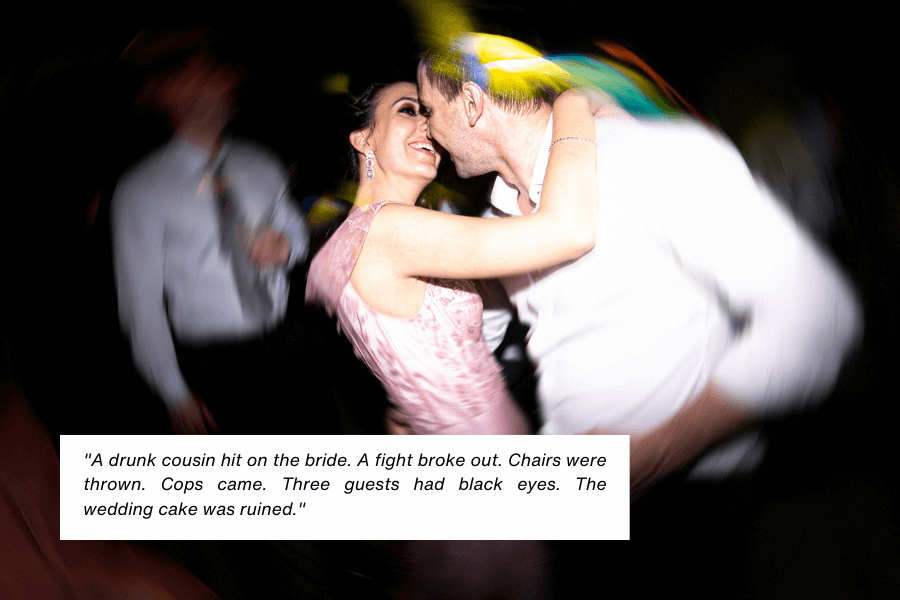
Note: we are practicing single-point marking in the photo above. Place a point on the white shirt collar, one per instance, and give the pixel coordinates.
(506, 198)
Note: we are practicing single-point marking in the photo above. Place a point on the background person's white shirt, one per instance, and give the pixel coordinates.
(167, 249)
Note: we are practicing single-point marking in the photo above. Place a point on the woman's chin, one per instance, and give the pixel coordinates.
(429, 174)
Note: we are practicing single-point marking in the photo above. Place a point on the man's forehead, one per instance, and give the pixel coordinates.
(424, 94)
(427, 93)
(423, 82)
(420, 74)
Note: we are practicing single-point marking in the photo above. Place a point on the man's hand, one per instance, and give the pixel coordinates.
(270, 250)
(651, 459)
(192, 417)
(396, 423)
(712, 417)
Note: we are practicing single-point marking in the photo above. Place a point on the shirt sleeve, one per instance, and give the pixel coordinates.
(799, 315)
(138, 245)
(497, 314)
(266, 182)
(287, 219)
(494, 324)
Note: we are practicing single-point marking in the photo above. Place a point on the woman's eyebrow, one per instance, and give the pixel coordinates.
(407, 99)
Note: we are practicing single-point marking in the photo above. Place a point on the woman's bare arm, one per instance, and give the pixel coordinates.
(432, 244)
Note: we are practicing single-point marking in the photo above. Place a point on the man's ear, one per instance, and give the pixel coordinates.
(360, 141)
(473, 102)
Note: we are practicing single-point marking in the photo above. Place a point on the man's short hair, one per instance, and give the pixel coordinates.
(511, 73)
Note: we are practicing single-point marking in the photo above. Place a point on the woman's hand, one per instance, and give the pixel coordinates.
(603, 105)
(598, 103)
(573, 98)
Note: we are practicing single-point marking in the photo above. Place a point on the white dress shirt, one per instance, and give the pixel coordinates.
(169, 265)
(698, 273)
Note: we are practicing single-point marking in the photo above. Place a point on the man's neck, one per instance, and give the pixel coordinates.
(206, 133)
(519, 145)
(205, 143)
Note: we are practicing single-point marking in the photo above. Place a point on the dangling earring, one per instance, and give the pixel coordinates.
(370, 164)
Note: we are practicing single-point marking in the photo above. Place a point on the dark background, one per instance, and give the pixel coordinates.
(821, 516)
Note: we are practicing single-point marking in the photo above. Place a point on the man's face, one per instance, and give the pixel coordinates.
(202, 91)
(447, 126)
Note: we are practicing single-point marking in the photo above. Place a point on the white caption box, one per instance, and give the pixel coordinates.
(273, 487)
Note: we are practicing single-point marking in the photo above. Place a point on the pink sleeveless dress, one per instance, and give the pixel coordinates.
(436, 367)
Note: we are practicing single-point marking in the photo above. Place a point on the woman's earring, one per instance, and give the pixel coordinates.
(370, 165)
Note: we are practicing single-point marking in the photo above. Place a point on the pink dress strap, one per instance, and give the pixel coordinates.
(339, 258)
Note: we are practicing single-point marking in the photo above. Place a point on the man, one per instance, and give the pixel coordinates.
(182, 298)
(702, 308)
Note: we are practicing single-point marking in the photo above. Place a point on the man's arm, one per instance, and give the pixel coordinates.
(798, 314)
(286, 241)
(268, 184)
(138, 258)
(710, 418)
(191, 416)
(289, 222)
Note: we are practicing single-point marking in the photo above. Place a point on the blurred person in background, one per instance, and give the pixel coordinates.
(204, 236)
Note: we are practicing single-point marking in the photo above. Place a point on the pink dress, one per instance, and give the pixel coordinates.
(436, 367)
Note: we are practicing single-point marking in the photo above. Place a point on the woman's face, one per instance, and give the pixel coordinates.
(399, 138)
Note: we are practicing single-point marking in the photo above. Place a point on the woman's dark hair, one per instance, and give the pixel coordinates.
(366, 106)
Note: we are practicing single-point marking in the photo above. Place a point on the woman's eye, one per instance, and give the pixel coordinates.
(410, 110)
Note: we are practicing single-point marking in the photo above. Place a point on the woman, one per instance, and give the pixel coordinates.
(394, 273)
